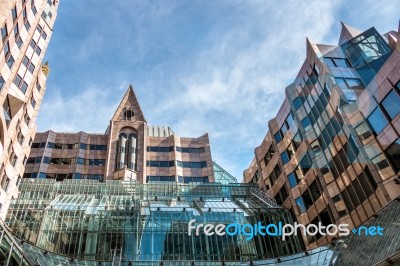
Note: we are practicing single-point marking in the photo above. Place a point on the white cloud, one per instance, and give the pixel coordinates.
(237, 84)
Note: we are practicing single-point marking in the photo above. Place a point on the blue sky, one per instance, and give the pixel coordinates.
(197, 66)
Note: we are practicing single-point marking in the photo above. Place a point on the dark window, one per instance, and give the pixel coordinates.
(377, 120)
(34, 10)
(305, 164)
(282, 195)
(391, 104)
(5, 183)
(2, 82)
(20, 83)
(393, 154)
(315, 189)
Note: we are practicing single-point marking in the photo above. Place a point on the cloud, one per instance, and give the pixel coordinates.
(84, 111)
(218, 67)
(237, 84)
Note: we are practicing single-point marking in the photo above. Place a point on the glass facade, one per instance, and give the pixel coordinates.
(131, 222)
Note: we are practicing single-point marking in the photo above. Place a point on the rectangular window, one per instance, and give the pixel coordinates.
(18, 41)
(4, 32)
(293, 180)
(34, 10)
(391, 104)
(80, 161)
(5, 183)
(14, 13)
(2, 82)
(278, 136)
(33, 103)
(285, 157)
(377, 120)
(16, 31)
(27, 25)
(297, 103)
(300, 204)
(306, 123)
(393, 154)
(341, 62)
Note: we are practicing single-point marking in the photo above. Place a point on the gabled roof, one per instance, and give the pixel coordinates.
(129, 101)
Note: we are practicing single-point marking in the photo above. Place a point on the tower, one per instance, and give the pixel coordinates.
(26, 29)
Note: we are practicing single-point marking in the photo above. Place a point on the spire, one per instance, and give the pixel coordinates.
(129, 103)
(347, 33)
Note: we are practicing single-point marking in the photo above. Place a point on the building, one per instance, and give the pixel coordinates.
(331, 154)
(130, 149)
(26, 28)
(126, 197)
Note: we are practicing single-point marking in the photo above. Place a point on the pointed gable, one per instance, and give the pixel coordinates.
(129, 108)
(347, 33)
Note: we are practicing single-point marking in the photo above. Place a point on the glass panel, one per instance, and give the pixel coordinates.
(377, 120)
(391, 104)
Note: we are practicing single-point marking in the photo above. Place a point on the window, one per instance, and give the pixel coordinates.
(44, 35)
(19, 42)
(20, 138)
(80, 161)
(33, 103)
(5, 183)
(377, 120)
(16, 30)
(285, 157)
(315, 189)
(24, 14)
(393, 154)
(10, 61)
(160, 149)
(160, 163)
(341, 62)
(4, 32)
(13, 159)
(293, 179)
(34, 10)
(289, 120)
(306, 123)
(2, 82)
(391, 104)
(297, 103)
(278, 136)
(300, 204)
(336, 62)
(27, 25)
(14, 13)
(192, 164)
(20, 83)
(38, 87)
(282, 195)
(190, 150)
(160, 179)
(316, 148)
(305, 164)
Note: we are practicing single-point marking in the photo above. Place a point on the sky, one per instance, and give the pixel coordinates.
(216, 67)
